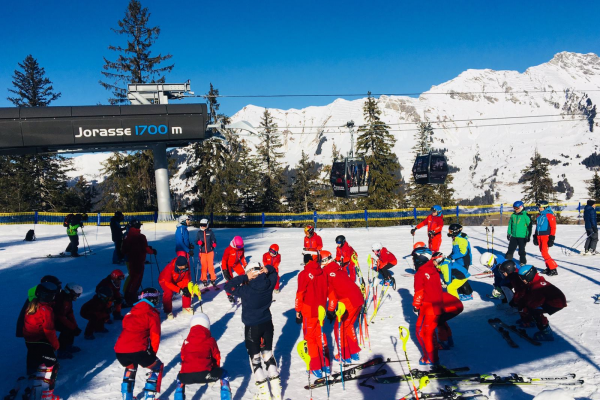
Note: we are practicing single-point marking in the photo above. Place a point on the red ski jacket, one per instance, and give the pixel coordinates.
(313, 243)
(39, 327)
(232, 257)
(96, 310)
(345, 251)
(428, 290)
(268, 259)
(312, 290)
(107, 282)
(341, 288)
(63, 311)
(199, 351)
(135, 247)
(434, 224)
(385, 258)
(170, 278)
(539, 292)
(141, 329)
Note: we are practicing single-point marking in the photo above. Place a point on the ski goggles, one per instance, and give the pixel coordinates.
(273, 252)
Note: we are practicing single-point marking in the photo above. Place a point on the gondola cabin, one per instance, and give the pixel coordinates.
(350, 177)
(430, 168)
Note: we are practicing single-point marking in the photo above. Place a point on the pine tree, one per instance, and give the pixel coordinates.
(594, 187)
(269, 153)
(32, 87)
(304, 183)
(249, 179)
(424, 196)
(135, 63)
(375, 143)
(81, 197)
(538, 183)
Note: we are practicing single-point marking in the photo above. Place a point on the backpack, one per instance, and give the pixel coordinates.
(30, 236)
(67, 220)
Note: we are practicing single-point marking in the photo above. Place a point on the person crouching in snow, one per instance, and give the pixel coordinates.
(255, 289)
(97, 311)
(138, 344)
(312, 295)
(200, 358)
(461, 257)
(64, 319)
(113, 282)
(384, 261)
(272, 257)
(175, 278)
(455, 277)
(233, 260)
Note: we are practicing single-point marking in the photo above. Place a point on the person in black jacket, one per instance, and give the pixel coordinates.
(591, 229)
(207, 243)
(116, 231)
(255, 289)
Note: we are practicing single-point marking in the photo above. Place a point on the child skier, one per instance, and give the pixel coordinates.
(519, 232)
(255, 289)
(461, 255)
(138, 344)
(435, 223)
(312, 294)
(200, 358)
(30, 296)
(64, 320)
(233, 260)
(272, 257)
(135, 247)
(183, 245)
(175, 278)
(455, 277)
(545, 232)
(312, 242)
(113, 282)
(346, 256)
(493, 262)
(72, 224)
(97, 312)
(385, 260)
(207, 242)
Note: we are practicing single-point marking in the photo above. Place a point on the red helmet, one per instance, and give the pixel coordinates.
(418, 244)
(309, 230)
(325, 256)
(117, 274)
(274, 249)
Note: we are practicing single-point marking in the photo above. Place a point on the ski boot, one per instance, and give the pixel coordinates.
(544, 335)
(188, 310)
(336, 357)
(355, 357)
(423, 361)
(231, 299)
(205, 283)
(275, 383)
(170, 315)
(317, 372)
(586, 253)
(262, 390)
(551, 272)
(225, 389)
(276, 291)
(179, 391)
(128, 382)
(154, 380)
(497, 293)
(465, 297)
(214, 284)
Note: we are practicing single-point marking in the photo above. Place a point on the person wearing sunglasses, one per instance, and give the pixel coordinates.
(175, 278)
(272, 257)
(64, 319)
(519, 232)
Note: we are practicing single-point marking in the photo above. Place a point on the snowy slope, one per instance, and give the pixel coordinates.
(94, 373)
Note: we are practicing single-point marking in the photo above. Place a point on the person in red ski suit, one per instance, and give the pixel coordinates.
(428, 303)
(272, 257)
(312, 294)
(435, 223)
(113, 282)
(545, 232)
(200, 357)
(385, 260)
(312, 242)
(135, 247)
(341, 289)
(174, 278)
(345, 256)
(41, 341)
(97, 311)
(233, 260)
(452, 307)
(64, 319)
(138, 344)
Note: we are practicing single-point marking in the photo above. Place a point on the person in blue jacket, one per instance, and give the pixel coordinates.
(183, 246)
(461, 255)
(591, 229)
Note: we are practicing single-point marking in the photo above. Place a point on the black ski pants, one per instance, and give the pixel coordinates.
(191, 378)
(255, 333)
(38, 354)
(385, 273)
(592, 240)
(512, 246)
(66, 339)
(73, 244)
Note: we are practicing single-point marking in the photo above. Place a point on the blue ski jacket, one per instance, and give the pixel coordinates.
(589, 216)
(182, 238)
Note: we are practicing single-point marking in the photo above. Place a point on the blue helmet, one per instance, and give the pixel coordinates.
(527, 272)
(518, 204)
(437, 208)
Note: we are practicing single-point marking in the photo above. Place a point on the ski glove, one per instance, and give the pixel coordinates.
(508, 237)
(528, 239)
(551, 241)
(412, 231)
(432, 234)
(535, 241)
(416, 310)
(299, 318)
(330, 316)
(200, 243)
(154, 252)
(226, 274)
(185, 292)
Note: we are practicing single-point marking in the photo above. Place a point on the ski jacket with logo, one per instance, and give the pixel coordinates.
(452, 270)
(107, 282)
(63, 311)
(343, 255)
(519, 225)
(199, 351)
(341, 288)
(206, 240)
(589, 216)
(385, 258)
(182, 238)
(312, 290)
(434, 223)
(141, 329)
(39, 327)
(428, 289)
(268, 259)
(313, 243)
(135, 247)
(546, 223)
(169, 277)
(256, 295)
(539, 292)
(233, 257)
(461, 249)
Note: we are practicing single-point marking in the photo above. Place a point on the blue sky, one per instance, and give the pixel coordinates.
(283, 47)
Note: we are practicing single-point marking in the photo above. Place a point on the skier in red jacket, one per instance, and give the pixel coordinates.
(233, 260)
(384, 261)
(272, 257)
(435, 223)
(312, 294)
(135, 247)
(312, 242)
(64, 319)
(42, 343)
(427, 302)
(138, 345)
(545, 232)
(346, 256)
(200, 358)
(536, 298)
(97, 311)
(113, 282)
(341, 289)
(174, 278)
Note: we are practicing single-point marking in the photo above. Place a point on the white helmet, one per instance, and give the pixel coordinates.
(376, 247)
(73, 289)
(203, 221)
(487, 259)
(183, 218)
(252, 266)
(200, 319)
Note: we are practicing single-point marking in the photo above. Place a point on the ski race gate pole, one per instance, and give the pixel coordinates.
(302, 349)
(404, 335)
(341, 310)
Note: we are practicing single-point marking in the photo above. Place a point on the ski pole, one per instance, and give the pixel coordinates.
(424, 381)
(487, 241)
(492, 239)
(322, 314)
(404, 335)
(302, 349)
(341, 309)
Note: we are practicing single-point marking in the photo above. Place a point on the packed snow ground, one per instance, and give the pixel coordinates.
(94, 373)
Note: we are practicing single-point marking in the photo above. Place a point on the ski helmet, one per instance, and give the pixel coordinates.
(309, 230)
(73, 289)
(203, 223)
(52, 279)
(542, 204)
(150, 294)
(117, 274)
(376, 247)
(183, 219)
(527, 272)
(341, 239)
(518, 204)
(253, 266)
(200, 319)
(437, 255)
(438, 209)
(454, 230)
(421, 256)
(104, 293)
(237, 242)
(135, 223)
(418, 245)
(46, 291)
(325, 256)
(508, 267)
(274, 249)
(487, 259)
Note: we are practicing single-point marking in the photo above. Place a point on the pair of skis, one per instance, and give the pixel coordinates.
(505, 329)
(64, 255)
(520, 380)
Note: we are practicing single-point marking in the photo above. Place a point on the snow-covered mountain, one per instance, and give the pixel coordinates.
(489, 121)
